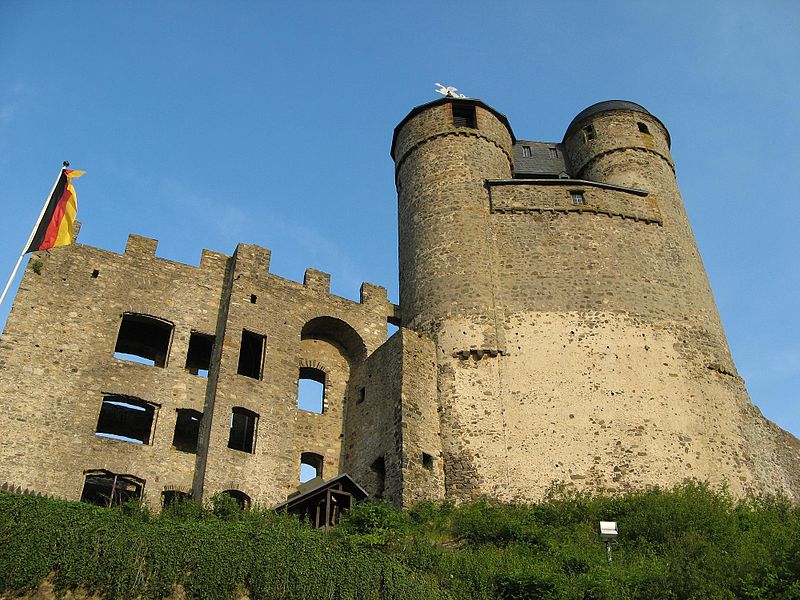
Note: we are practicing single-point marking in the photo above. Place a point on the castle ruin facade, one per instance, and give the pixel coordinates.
(555, 325)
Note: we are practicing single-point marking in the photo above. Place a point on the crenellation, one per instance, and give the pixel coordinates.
(139, 246)
(553, 328)
(317, 281)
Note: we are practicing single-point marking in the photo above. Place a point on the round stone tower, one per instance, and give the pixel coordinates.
(443, 152)
(620, 143)
(577, 336)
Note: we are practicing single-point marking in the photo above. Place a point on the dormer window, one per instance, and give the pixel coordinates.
(589, 133)
(526, 151)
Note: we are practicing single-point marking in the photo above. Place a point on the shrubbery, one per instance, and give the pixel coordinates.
(691, 542)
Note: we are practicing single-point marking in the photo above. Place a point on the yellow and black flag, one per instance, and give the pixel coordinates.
(56, 225)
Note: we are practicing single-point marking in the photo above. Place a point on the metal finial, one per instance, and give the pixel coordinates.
(65, 163)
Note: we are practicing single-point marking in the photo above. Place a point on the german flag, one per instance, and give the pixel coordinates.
(55, 226)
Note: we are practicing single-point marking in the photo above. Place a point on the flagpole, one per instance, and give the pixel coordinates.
(33, 232)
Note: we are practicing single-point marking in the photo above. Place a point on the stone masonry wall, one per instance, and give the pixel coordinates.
(57, 362)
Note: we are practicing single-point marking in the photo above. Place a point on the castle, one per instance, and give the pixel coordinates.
(555, 325)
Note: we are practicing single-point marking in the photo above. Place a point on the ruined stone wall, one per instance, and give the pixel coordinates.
(57, 362)
(281, 310)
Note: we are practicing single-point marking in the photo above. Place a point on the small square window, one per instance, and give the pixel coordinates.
(553, 152)
(526, 151)
(464, 116)
(589, 133)
(427, 461)
(577, 198)
(643, 128)
(253, 298)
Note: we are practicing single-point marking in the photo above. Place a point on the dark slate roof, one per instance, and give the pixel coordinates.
(609, 105)
(445, 100)
(343, 481)
(540, 163)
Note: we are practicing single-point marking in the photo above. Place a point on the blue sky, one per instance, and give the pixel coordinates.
(206, 124)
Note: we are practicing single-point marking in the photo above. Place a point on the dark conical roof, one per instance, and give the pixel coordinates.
(606, 106)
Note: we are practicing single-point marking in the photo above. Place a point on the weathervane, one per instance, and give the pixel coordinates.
(450, 91)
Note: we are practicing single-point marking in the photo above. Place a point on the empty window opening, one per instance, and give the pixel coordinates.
(589, 133)
(105, 488)
(362, 395)
(553, 152)
(391, 329)
(310, 466)
(642, 127)
(427, 461)
(187, 430)
(125, 418)
(251, 354)
(143, 339)
(172, 497)
(378, 468)
(95, 274)
(526, 151)
(253, 298)
(311, 390)
(242, 499)
(464, 115)
(198, 358)
(243, 430)
(577, 198)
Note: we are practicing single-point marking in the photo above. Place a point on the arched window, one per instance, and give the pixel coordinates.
(143, 339)
(170, 497)
(242, 499)
(310, 466)
(311, 390)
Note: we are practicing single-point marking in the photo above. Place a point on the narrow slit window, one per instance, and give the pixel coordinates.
(643, 128)
(589, 133)
(198, 358)
(553, 152)
(362, 395)
(187, 430)
(464, 116)
(577, 198)
(311, 390)
(253, 298)
(378, 468)
(95, 274)
(126, 419)
(251, 354)
(143, 339)
(105, 488)
(243, 430)
(526, 151)
(310, 466)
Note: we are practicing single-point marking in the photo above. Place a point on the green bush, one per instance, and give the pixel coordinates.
(691, 542)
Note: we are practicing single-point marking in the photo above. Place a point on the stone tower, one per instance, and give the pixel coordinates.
(577, 338)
